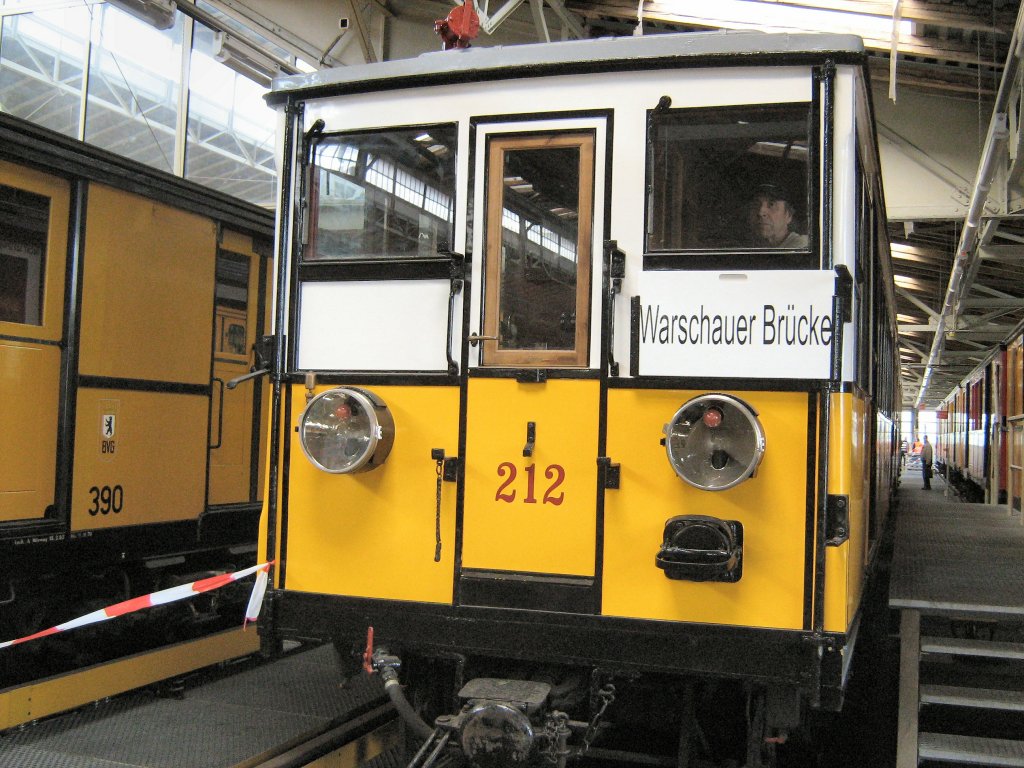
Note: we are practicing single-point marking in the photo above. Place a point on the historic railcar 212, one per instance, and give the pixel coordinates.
(589, 448)
(128, 299)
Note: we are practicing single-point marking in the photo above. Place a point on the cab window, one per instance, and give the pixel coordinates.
(24, 219)
(389, 194)
(732, 179)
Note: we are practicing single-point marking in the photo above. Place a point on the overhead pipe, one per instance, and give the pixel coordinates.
(966, 251)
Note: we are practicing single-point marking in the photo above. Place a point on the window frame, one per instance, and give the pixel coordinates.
(731, 257)
(497, 144)
(366, 266)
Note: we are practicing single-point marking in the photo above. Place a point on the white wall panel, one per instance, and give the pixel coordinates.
(366, 325)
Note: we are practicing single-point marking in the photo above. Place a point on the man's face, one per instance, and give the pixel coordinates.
(769, 219)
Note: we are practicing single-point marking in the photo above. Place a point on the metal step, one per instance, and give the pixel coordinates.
(970, 750)
(961, 647)
(982, 698)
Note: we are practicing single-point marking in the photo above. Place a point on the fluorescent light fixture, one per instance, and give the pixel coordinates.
(776, 17)
(158, 13)
(909, 283)
(245, 59)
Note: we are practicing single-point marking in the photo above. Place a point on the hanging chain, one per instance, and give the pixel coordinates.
(605, 696)
(437, 513)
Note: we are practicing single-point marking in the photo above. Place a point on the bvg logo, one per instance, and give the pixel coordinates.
(108, 428)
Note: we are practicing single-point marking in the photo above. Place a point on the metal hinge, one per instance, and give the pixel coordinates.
(837, 519)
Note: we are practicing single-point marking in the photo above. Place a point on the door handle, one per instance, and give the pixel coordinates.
(531, 438)
(476, 338)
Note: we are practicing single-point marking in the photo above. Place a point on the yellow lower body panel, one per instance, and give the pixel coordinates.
(534, 514)
(59, 694)
(29, 382)
(772, 508)
(137, 458)
(372, 534)
(850, 476)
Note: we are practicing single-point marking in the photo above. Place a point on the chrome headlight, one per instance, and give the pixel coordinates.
(714, 442)
(346, 430)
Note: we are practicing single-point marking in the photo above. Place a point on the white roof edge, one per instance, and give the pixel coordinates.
(580, 52)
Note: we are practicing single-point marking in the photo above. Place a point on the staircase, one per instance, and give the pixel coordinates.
(975, 680)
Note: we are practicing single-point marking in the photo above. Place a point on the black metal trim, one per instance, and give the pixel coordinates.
(43, 548)
(535, 374)
(448, 78)
(286, 243)
(28, 340)
(378, 378)
(144, 385)
(794, 657)
(74, 287)
(381, 269)
(527, 591)
(26, 143)
(634, 336)
(747, 261)
(715, 384)
(825, 75)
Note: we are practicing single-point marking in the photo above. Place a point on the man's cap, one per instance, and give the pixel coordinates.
(771, 191)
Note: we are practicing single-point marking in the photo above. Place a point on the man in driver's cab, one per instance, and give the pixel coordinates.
(771, 219)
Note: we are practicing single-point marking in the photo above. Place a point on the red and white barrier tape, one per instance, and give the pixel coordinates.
(164, 596)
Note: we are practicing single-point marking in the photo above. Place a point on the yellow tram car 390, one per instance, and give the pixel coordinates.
(584, 378)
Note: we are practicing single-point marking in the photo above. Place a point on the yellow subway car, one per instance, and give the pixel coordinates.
(128, 298)
(584, 387)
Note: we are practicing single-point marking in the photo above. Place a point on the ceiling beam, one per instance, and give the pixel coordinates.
(966, 250)
(754, 14)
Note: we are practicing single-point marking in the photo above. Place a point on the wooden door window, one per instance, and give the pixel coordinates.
(540, 192)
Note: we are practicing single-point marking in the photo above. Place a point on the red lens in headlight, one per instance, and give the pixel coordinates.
(712, 417)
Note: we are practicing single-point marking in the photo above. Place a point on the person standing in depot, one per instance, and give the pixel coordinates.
(926, 463)
(771, 219)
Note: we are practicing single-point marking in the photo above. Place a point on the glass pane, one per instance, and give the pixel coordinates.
(730, 178)
(230, 140)
(134, 79)
(232, 298)
(539, 237)
(42, 57)
(24, 219)
(388, 194)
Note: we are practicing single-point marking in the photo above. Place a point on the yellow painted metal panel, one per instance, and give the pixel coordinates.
(58, 694)
(235, 241)
(372, 534)
(772, 506)
(30, 372)
(58, 192)
(153, 451)
(231, 462)
(849, 475)
(29, 381)
(148, 297)
(231, 427)
(535, 514)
